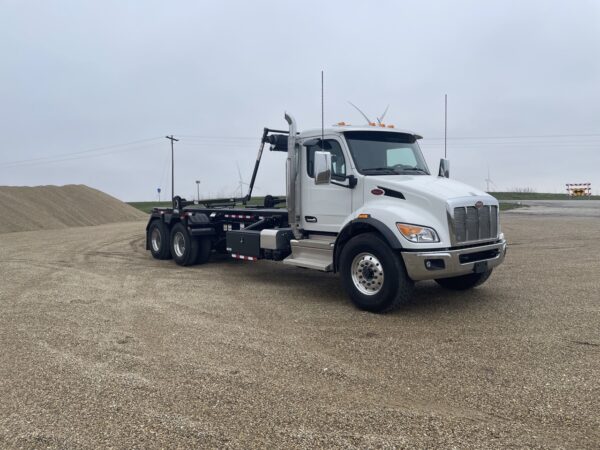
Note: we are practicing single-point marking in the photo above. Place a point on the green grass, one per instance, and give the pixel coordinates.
(147, 206)
(508, 206)
(537, 196)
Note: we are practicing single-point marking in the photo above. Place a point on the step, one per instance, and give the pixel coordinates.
(312, 253)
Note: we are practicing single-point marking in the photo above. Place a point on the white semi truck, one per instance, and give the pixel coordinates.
(360, 202)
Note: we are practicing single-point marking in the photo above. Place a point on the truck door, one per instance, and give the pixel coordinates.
(325, 206)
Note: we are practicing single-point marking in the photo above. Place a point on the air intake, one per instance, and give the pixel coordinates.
(475, 224)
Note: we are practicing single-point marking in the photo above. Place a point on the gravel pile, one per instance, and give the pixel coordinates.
(54, 207)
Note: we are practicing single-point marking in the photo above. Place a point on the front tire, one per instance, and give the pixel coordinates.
(184, 248)
(464, 282)
(159, 240)
(373, 274)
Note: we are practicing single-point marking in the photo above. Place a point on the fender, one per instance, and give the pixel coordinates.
(350, 230)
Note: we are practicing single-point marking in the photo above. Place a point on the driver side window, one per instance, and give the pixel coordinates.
(338, 163)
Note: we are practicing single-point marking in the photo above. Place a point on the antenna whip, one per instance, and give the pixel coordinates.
(322, 111)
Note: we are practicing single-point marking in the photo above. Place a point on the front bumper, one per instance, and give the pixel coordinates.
(432, 264)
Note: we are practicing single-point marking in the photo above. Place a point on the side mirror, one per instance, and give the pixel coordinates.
(444, 168)
(322, 166)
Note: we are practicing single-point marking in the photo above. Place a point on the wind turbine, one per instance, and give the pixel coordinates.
(488, 180)
(241, 182)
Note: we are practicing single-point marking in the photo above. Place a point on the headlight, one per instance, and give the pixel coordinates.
(417, 233)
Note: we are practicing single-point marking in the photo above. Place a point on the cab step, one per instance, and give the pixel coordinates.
(313, 253)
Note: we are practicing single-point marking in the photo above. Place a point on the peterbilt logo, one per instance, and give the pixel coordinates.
(479, 204)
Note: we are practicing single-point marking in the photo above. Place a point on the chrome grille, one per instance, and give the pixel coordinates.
(475, 224)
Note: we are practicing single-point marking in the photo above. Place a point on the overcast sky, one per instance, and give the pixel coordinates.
(78, 76)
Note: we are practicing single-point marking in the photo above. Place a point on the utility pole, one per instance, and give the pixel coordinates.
(172, 139)
(198, 188)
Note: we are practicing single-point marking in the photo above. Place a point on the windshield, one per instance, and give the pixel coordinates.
(386, 153)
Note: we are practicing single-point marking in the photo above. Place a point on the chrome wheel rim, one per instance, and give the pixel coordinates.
(155, 239)
(367, 273)
(179, 244)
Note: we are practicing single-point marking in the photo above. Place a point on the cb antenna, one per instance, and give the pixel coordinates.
(322, 111)
(380, 119)
(445, 125)
(363, 114)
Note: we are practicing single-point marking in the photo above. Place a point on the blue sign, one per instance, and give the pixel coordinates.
(158, 189)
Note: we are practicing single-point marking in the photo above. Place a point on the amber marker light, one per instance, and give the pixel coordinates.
(416, 233)
(408, 230)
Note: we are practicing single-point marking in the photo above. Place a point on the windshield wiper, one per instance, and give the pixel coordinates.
(389, 170)
(415, 169)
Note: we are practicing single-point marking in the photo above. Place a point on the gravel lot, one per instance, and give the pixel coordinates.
(103, 346)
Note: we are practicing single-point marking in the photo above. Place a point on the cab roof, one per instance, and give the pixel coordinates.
(339, 129)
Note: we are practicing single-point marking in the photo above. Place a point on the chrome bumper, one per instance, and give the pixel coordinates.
(429, 265)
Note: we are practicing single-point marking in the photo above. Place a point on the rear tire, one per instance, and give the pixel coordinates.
(159, 240)
(184, 248)
(464, 282)
(373, 274)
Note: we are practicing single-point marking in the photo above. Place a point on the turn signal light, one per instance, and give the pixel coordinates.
(408, 230)
(364, 216)
(416, 233)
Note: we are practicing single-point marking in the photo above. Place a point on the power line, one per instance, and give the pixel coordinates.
(67, 156)
(516, 137)
(431, 138)
(584, 141)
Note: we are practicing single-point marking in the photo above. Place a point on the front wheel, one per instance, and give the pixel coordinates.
(464, 282)
(373, 274)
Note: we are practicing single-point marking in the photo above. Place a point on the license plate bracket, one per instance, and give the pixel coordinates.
(480, 267)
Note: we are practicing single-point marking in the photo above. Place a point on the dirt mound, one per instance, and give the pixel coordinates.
(52, 207)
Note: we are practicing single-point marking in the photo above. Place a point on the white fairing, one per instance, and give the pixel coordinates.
(427, 202)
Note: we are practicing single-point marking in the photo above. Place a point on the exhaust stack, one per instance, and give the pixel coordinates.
(293, 200)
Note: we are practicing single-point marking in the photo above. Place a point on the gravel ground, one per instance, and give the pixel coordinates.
(104, 347)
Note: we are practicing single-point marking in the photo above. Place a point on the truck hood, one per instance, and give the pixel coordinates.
(425, 200)
(424, 187)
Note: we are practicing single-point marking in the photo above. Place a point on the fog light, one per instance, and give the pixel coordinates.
(435, 264)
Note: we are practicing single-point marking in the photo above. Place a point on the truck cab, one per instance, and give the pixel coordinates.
(362, 202)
